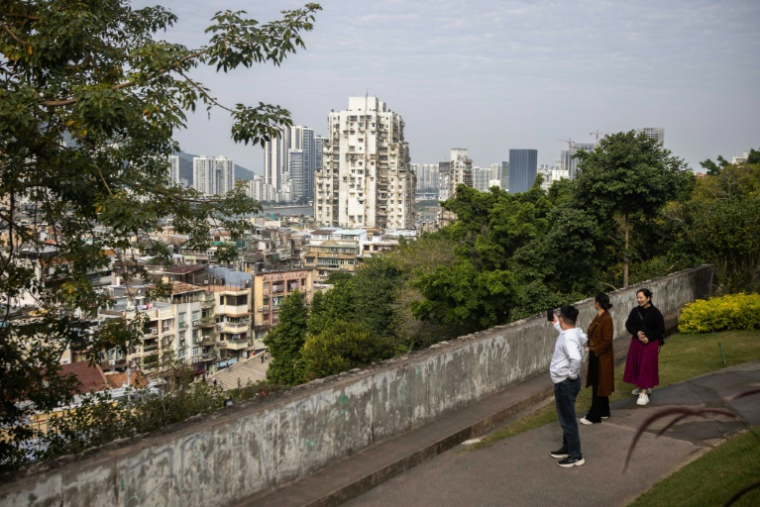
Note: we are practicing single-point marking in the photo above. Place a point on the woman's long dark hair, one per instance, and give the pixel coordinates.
(603, 300)
(647, 294)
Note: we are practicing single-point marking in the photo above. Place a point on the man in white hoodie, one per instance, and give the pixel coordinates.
(565, 371)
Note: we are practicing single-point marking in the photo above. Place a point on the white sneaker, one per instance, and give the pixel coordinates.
(585, 421)
(635, 392)
(643, 399)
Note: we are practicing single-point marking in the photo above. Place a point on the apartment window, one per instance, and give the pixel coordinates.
(195, 351)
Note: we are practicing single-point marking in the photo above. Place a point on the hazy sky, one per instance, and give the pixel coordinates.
(490, 75)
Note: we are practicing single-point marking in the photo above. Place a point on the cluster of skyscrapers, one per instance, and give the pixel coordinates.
(290, 162)
(515, 175)
(360, 176)
(211, 175)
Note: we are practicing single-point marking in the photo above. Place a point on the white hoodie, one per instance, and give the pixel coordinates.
(568, 354)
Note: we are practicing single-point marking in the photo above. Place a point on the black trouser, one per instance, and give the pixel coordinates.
(565, 394)
(600, 405)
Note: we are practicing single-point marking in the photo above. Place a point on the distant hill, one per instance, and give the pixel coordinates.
(186, 168)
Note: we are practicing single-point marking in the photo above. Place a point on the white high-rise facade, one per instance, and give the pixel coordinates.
(174, 170)
(427, 178)
(568, 163)
(276, 163)
(658, 134)
(482, 178)
(213, 175)
(290, 162)
(365, 180)
(455, 171)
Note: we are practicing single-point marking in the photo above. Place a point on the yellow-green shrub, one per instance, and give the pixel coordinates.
(730, 312)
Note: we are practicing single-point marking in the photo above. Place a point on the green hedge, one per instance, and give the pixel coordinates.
(730, 312)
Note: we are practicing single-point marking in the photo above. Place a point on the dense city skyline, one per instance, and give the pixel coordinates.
(494, 76)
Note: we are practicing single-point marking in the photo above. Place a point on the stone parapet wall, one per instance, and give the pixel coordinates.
(253, 447)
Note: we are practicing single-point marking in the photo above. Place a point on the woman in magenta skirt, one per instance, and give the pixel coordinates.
(647, 327)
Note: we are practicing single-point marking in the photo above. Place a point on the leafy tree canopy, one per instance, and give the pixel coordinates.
(89, 101)
(627, 175)
(286, 339)
(342, 346)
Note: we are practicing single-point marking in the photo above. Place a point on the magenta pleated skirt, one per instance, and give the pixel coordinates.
(641, 365)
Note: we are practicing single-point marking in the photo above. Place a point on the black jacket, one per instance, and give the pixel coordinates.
(649, 320)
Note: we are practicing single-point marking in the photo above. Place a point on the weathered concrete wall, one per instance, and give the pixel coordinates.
(245, 449)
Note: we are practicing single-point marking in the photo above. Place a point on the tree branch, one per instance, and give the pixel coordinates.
(204, 92)
(10, 32)
(129, 84)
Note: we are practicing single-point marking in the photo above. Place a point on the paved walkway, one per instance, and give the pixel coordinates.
(251, 371)
(427, 471)
(519, 470)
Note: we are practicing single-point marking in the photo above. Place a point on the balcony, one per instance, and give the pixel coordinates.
(150, 348)
(182, 325)
(208, 341)
(208, 302)
(236, 327)
(208, 321)
(237, 344)
(209, 356)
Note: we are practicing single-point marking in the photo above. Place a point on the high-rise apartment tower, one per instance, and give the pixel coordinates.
(457, 170)
(290, 162)
(213, 176)
(658, 134)
(567, 160)
(365, 180)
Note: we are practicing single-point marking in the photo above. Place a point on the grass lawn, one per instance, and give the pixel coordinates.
(682, 357)
(712, 479)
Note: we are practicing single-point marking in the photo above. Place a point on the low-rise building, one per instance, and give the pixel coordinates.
(270, 288)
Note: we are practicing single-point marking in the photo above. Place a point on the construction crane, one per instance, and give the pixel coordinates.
(596, 134)
(569, 144)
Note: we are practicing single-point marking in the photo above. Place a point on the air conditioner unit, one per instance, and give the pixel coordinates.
(153, 331)
(261, 308)
(220, 326)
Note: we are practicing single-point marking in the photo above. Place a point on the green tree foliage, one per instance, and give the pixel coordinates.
(342, 346)
(466, 296)
(285, 341)
(89, 100)
(338, 276)
(375, 286)
(413, 260)
(727, 234)
(331, 306)
(629, 175)
(721, 224)
(713, 168)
